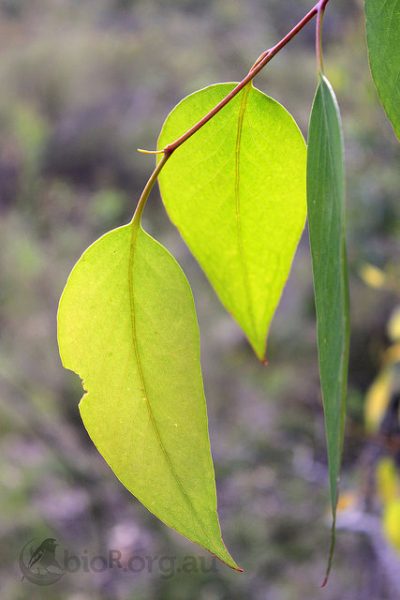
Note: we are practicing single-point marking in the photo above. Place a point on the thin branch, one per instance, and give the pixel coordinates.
(317, 10)
(260, 63)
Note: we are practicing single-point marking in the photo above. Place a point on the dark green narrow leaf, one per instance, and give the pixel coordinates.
(383, 36)
(326, 220)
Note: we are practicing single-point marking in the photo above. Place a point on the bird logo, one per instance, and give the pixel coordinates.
(39, 564)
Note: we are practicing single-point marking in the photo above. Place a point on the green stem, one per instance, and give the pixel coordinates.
(331, 553)
(318, 35)
(147, 189)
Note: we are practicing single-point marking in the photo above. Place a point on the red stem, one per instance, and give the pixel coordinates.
(263, 59)
(260, 63)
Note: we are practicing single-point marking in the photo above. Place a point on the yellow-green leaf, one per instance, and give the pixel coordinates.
(236, 191)
(127, 325)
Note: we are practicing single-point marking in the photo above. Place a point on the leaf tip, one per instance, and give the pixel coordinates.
(259, 347)
(239, 569)
(261, 354)
(234, 566)
(226, 558)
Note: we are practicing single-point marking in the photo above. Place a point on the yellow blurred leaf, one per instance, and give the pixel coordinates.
(377, 399)
(392, 355)
(372, 276)
(391, 523)
(387, 481)
(393, 326)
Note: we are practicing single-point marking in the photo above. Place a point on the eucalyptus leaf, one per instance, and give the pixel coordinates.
(383, 37)
(326, 220)
(127, 325)
(236, 190)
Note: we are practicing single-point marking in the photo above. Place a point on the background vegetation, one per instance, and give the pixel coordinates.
(83, 84)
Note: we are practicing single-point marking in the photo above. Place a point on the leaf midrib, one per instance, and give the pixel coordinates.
(134, 233)
(324, 84)
(239, 236)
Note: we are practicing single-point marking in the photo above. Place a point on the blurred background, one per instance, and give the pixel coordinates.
(83, 84)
